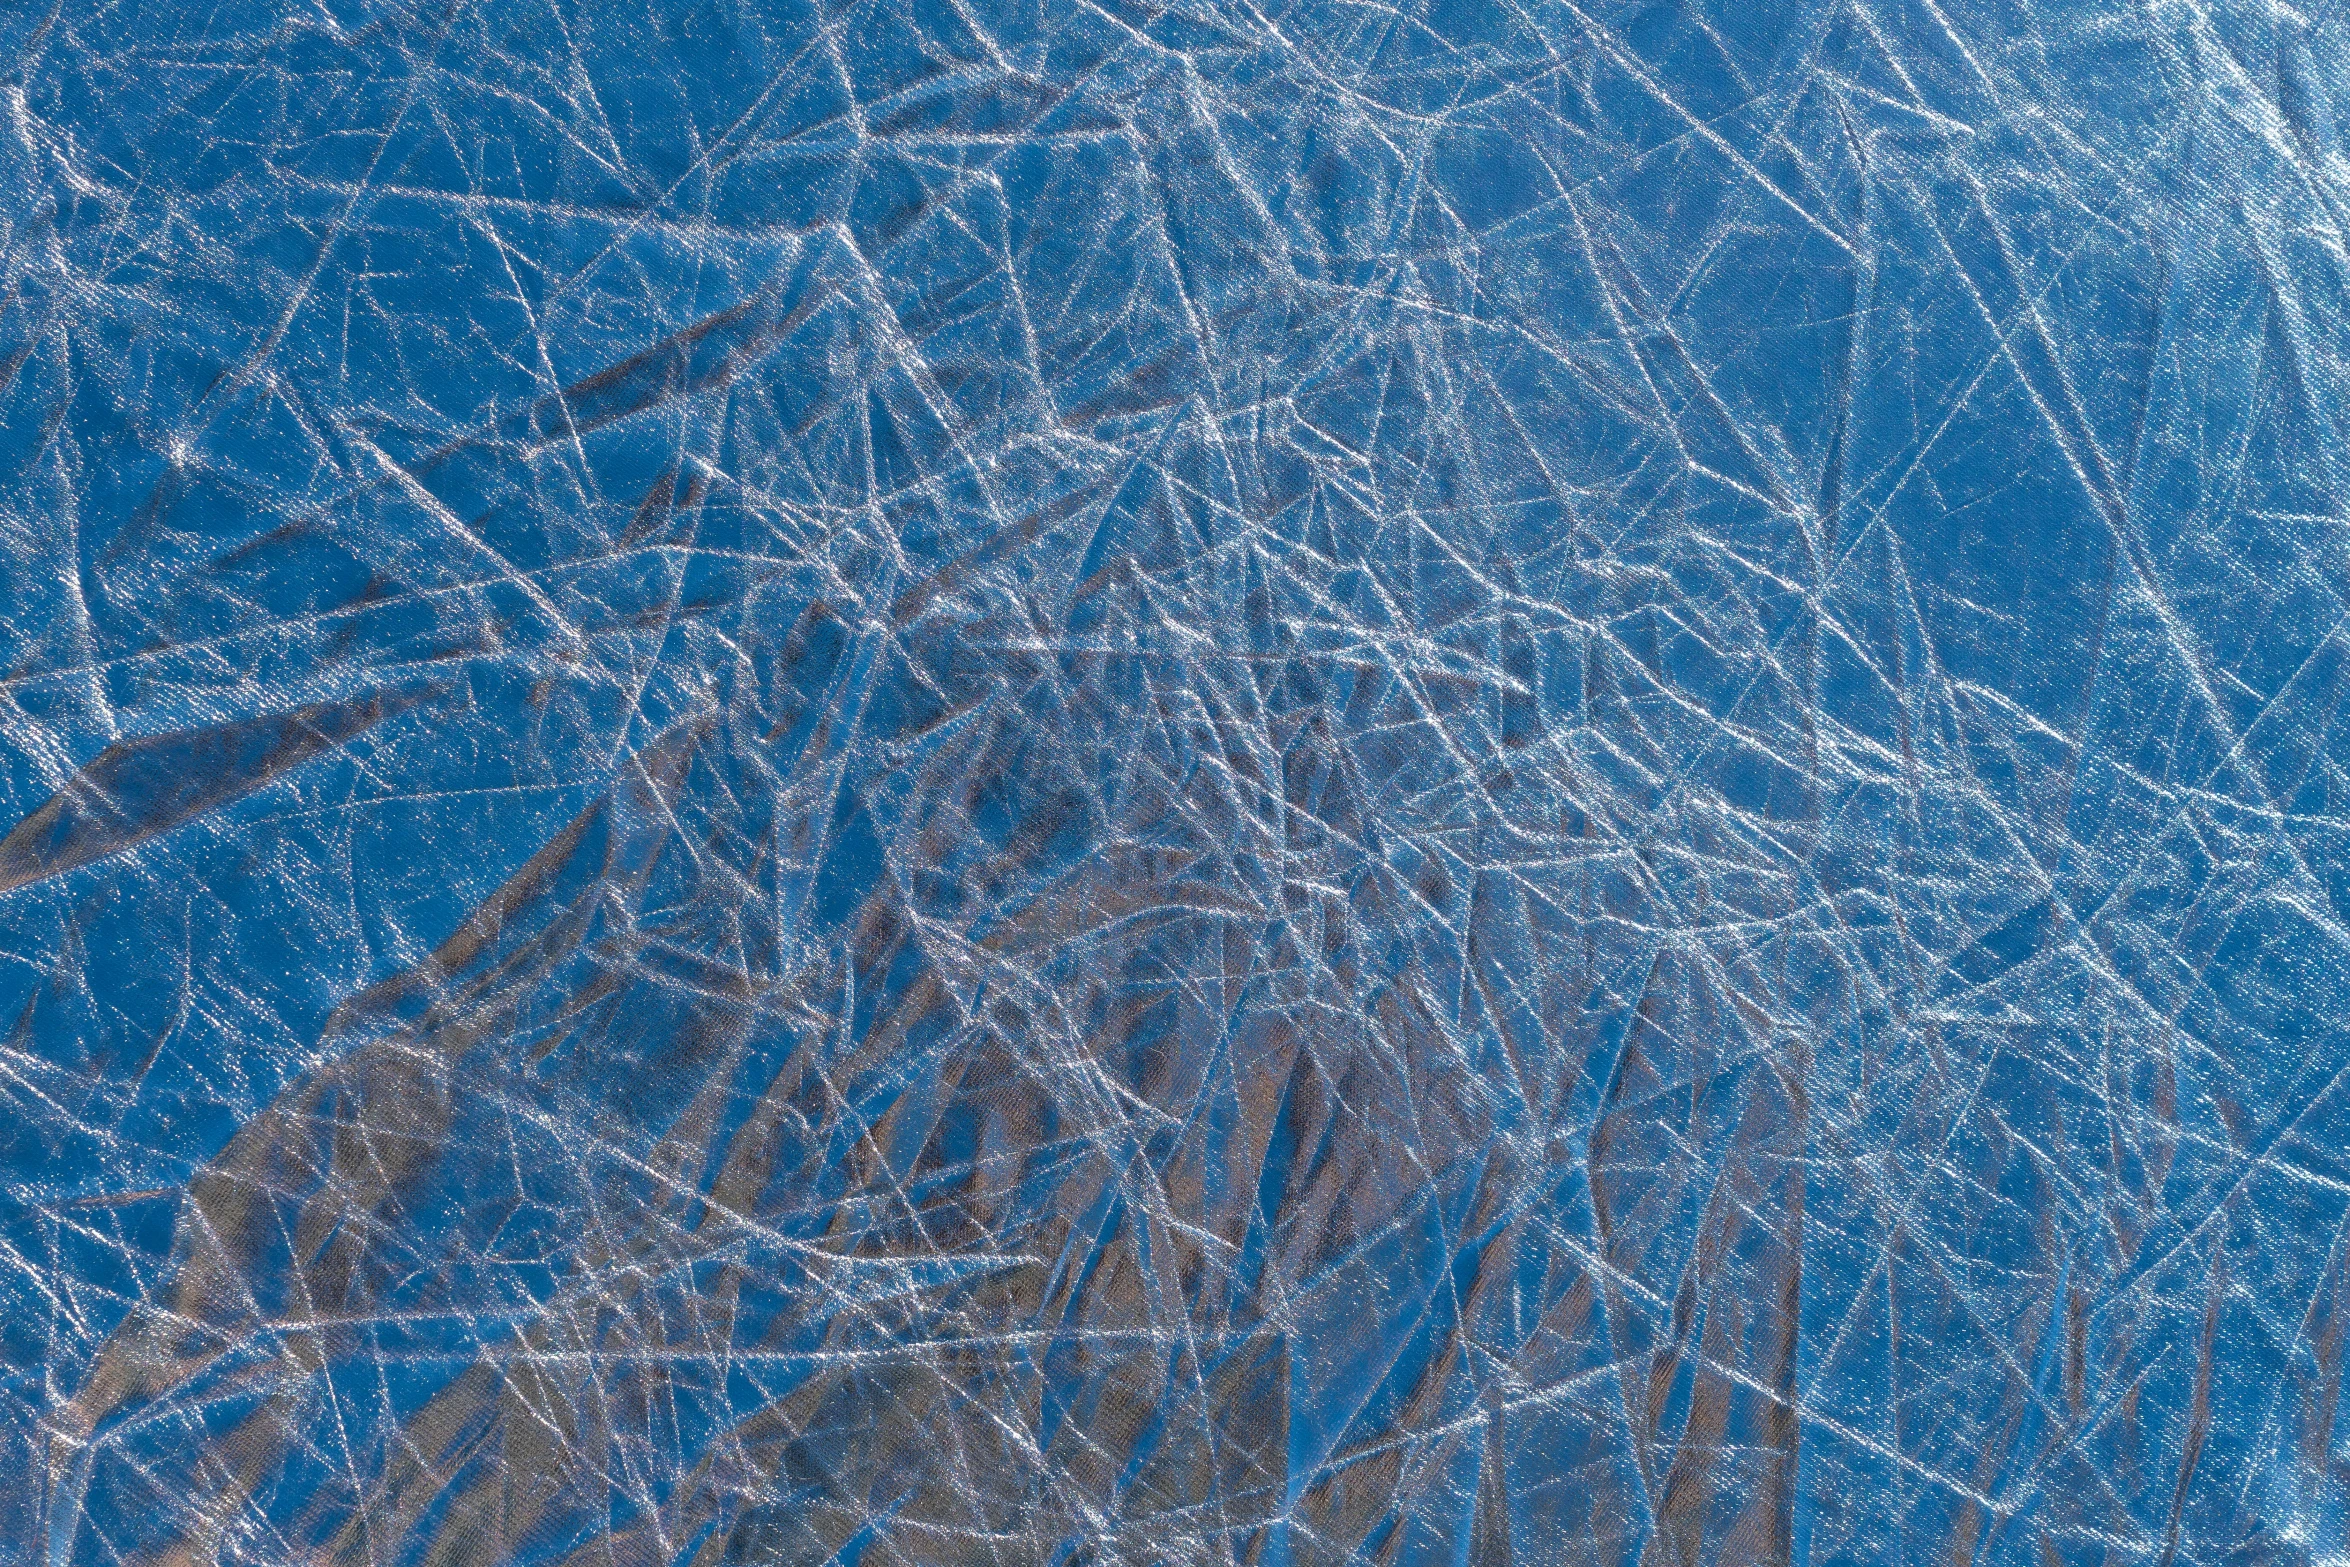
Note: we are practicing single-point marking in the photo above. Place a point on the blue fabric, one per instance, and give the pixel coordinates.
(1069, 782)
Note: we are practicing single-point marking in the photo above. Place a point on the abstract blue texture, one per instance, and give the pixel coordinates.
(1110, 782)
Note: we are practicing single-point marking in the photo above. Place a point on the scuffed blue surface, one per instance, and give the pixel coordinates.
(938, 781)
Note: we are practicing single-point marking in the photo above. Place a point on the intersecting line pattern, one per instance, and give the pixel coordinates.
(1067, 781)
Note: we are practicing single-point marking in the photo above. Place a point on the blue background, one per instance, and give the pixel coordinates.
(962, 782)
